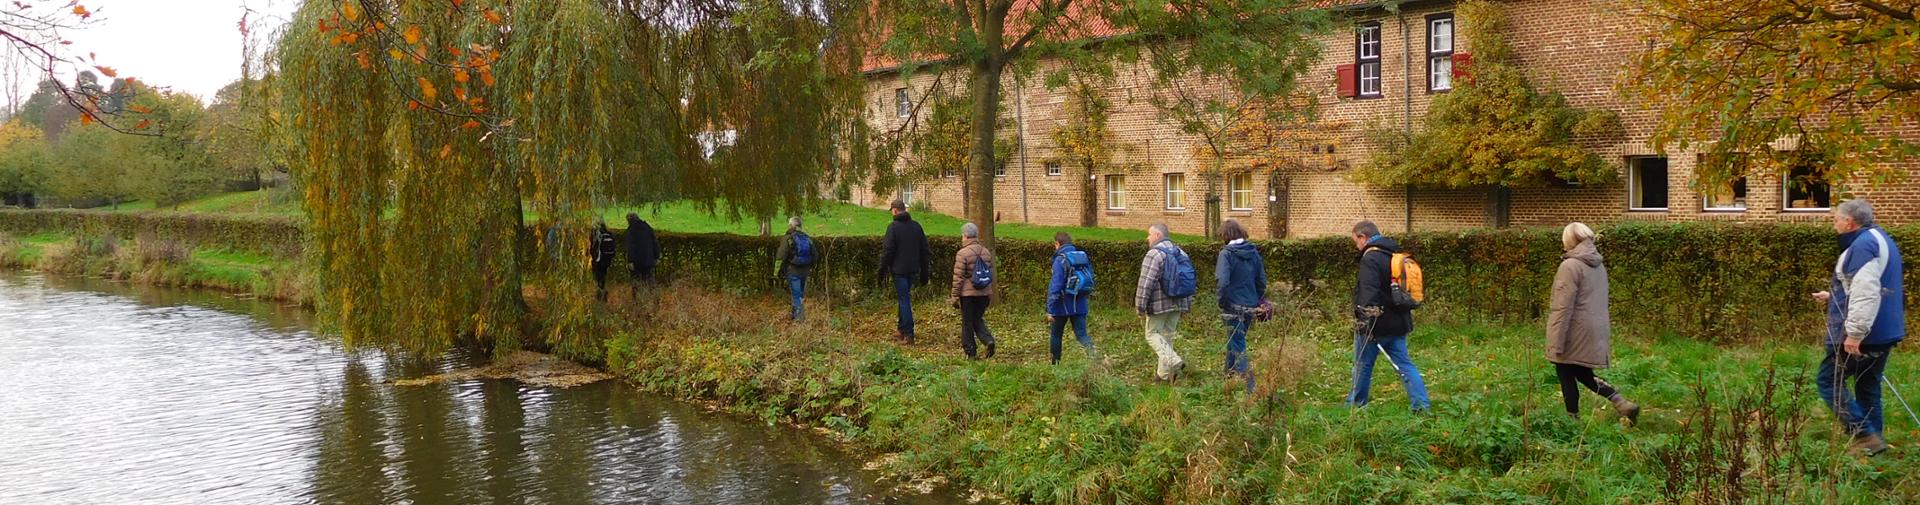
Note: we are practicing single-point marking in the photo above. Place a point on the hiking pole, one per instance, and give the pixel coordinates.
(1903, 400)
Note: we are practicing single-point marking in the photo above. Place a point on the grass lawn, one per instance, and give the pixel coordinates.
(267, 202)
(844, 219)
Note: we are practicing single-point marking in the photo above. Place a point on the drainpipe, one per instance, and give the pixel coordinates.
(1020, 118)
(1406, 95)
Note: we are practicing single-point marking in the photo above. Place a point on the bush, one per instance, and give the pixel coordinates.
(280, 236)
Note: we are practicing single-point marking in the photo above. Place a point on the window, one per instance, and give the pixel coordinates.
(1240, 192)
(1176, 191)
(1117, 192)
(1730, 195)
(902, 104)
(1367, 59)
(1440, 52)
(906, 193)
(1000, 168)
(1647, 183)
(1807, 189)
(1053, 168)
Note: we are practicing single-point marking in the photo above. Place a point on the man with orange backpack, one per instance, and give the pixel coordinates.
(1390, 287)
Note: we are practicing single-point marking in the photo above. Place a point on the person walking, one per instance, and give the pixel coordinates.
(796, 258)
(1067, 294)
(643, 250)
(1380, 327)
(1242, 286)
(1866, 318)
(1578, 325)
(973, 289)
(601, 249)
(904, 257)
(1164, 293)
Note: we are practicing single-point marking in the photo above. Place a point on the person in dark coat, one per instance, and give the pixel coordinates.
(1242, 278)
(905, 257)
(643, 249)
(1579, 328)
(1379, 326)
(602, 250)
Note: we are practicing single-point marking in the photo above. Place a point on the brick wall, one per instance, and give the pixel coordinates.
(1579, 48)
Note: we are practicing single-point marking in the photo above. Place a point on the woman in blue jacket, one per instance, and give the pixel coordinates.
(1063, 305)
(1242, 278)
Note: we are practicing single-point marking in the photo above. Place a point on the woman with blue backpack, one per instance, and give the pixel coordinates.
(796, 256)
(973, 289)
(1067, 294)
(1242, 277)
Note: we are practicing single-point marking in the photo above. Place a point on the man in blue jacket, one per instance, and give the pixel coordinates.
(1063, 305)
(1866, 318)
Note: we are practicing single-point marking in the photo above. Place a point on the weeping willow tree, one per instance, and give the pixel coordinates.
(425, 132)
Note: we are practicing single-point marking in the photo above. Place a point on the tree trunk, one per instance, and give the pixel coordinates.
(1089, 199)
(1211, 211)
(986, 121)
(1280, 189)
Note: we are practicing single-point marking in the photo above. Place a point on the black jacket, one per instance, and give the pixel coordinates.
(602, 248)
(1375, 291)
(643, 248)
(904, 251)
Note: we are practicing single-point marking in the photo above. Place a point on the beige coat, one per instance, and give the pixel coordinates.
(963, 269)
(1578, 328)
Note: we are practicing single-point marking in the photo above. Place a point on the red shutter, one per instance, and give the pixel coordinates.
(1347, 80)
(1463, 67)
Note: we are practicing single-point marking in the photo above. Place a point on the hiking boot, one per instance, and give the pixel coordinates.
(1627, 409)
(990, 348)
(1868, 444)
(1178, 369)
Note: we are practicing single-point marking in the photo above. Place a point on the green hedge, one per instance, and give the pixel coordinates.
(279, 236)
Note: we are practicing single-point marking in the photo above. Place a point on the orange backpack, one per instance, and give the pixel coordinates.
(1408, 282)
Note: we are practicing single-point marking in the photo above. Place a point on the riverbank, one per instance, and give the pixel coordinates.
(156, 262)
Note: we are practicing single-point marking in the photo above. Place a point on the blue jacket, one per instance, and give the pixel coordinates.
(1059, 303)
(1869, 298)
(1241, 274)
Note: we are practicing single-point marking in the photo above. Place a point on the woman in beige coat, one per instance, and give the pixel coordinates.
(1578, 326)
(970, 298)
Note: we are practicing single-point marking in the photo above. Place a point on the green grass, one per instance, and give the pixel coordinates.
(844, 219)
(262, 202)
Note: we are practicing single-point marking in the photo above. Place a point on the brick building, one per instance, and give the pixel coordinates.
(1394, 57)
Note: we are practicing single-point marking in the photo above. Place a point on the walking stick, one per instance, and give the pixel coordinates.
(1903, 400)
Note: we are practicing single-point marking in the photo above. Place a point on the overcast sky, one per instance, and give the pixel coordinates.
(192, 46)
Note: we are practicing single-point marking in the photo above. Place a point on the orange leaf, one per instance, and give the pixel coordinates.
(413, 105)
(492, 17)
(81, 10)
(143, 124)
(426, 89)
(351, 11)
(460, 94)
(460, 76)
(362, 58)
(446, 150)
(396, 54)
(471, 124)
(457, 3)
(86, 119)
(486, 76)
(412, 34)
(140, 109)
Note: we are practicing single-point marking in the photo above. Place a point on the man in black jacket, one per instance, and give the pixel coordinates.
(601, 251)
(643, 250)
(904, 257)
(1379, 326)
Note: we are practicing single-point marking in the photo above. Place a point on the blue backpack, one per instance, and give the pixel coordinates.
(1176, 276)
(1079, 273)
(802, 250)
(982, 274)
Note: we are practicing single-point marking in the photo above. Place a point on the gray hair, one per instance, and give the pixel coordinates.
(793, 223)
(1574, 234)
(969, 230)
(1858, 210)
(1159, 228)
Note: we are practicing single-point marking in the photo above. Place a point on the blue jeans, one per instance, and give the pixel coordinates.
(797, 285)
(1237, 359)
(1366, 351)
(903, 290)
(1079, 331)
(1860, 409)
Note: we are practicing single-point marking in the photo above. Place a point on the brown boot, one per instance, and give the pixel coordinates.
(1627, 409)
(1868, 444)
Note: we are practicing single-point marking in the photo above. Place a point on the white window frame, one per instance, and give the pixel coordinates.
(902, 102)
(1786, 199)
(1706, 198)
(1116, 196)
(1234, 193)
(1054, 169)
(1176, 198)
(1367, 78)
(1440, 52)
(1633, 181)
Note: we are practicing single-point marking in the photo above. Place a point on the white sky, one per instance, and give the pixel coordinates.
(191, 46)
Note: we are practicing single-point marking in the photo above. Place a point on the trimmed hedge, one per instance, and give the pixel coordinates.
(279, 236)
(1720, 282)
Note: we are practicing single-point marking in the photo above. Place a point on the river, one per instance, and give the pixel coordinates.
(121, 394)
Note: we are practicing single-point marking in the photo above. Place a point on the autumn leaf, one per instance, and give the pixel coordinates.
(81, 10)
(144, 123)
(86, 119)
(460, 76)
(413, 105)
(426, 89)
(107, 71)
(471, 124)
(351, 11)
(140, 109)
(492, 16)
(412, 34)
(446, 150)
(396, 54)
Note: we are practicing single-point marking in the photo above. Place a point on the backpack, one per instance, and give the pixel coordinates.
(605, 245)
(1079, 273)
(802, 250)
(1406, 281)
(982, 273)
(1176, 275)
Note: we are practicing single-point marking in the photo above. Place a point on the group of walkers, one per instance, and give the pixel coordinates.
(643, 252)
(1865, 307)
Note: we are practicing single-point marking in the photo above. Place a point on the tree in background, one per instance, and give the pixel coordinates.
(170, 166)
(91, 167)
(1086, 144)
(30, 38)
(238, 132)
(1494, 129)
(1257, 47)
(24, 163)
(1836, 78)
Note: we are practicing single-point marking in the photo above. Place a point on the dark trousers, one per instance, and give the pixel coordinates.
(903, 292)
(1079, 331)
(973, 322)
(1574, 376)
(642, 273)
(1859, 409)
(600, 277)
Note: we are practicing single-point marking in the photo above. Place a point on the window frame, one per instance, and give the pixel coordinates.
(1786, 196)
(1634, 178)
(1361, 62)
(1233, 193)
(1166, 182)
(1453, 43)
(1706, 198)
(902, 102)
(1119, 203)
(1055, 169)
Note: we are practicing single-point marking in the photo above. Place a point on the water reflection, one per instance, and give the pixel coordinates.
(154, 396)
